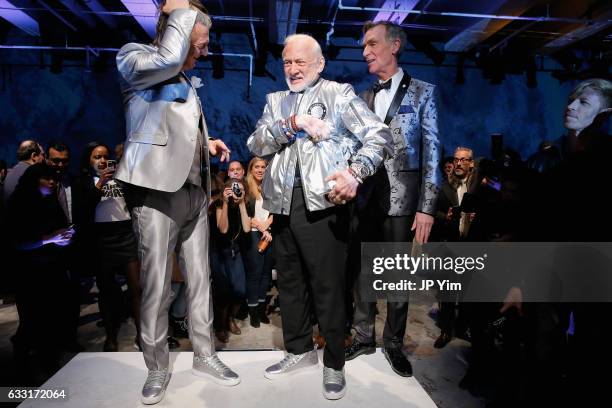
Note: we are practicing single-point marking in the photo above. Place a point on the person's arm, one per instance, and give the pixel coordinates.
(431, 177)
(244, 217)
(142, 68)
(221, 212)
(222, 222)
(430, 171)
(268, 137)
(60, 237)
(376, 144)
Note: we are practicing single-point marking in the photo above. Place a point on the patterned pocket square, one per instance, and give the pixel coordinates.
(405, 109)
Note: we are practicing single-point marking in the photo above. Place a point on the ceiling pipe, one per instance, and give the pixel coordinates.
(473, 15)
(97, 50)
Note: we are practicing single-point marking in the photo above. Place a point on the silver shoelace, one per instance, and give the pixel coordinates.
(331, 376)
(213, 362)
(156, 378)
(289, 360)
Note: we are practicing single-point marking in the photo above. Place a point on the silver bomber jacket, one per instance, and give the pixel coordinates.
(357, 135)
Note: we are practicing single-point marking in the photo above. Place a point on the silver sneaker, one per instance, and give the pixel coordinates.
(155, 386)
(334, 383)
(291, 364)
(212, 367)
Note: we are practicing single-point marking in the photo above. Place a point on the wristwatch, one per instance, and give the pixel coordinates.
(360, 171)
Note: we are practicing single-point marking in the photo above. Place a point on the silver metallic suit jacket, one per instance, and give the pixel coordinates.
(162, 110)
(357, 134)
(413, 177)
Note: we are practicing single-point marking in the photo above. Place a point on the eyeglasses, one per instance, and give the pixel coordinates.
(461, 159)
(56, 160)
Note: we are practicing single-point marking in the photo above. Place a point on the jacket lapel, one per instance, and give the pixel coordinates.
(368, 97)
(397, 99)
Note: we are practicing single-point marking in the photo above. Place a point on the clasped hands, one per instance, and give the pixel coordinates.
(316, 128)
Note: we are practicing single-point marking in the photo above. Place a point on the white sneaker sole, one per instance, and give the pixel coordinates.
(271, 376)
(217, 380)
(335, 395)
(153, 400)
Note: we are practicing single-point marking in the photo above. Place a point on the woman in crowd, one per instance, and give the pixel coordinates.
(258, 257)
(107, 231)
(39, 232)
(232, 223)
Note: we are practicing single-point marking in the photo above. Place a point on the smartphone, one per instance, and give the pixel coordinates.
(111, 164)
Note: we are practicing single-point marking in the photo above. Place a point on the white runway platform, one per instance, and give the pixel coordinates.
(115, 380)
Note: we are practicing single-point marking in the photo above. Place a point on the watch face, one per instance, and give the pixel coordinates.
(361, 170)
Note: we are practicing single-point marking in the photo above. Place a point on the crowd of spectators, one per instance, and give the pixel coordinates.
(64, 229)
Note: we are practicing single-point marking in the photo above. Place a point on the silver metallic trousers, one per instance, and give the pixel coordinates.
(165, 222)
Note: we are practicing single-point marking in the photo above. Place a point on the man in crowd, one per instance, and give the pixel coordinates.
(28, 153)
(401, 197)
(314, 130)
(452, 224)
(166, 166)
(58, 158)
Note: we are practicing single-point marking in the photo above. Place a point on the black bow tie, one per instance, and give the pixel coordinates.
(380, 86)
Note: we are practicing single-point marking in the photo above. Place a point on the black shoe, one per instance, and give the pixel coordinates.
(263, 317)
(399, 362)
(254, 316)
(173, 343)
(357, 348)
(442, 340)
(180, 327)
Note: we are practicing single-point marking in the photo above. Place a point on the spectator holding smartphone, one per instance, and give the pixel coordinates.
(39, 232)
(107, 231)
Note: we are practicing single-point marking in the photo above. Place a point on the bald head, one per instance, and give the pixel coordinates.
(303, 61)
(29, 151)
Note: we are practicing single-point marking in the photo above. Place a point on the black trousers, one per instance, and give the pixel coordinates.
(310, 251)
(382, 229)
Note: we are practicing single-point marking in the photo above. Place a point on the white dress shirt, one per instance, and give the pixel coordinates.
(383, 99)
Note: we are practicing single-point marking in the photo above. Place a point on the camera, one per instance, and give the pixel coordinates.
(111, 164)
(236, 189)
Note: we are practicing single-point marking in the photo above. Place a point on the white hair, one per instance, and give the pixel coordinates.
(316, 47)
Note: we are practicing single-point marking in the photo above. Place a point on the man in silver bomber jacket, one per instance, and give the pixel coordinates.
(313, 132)
(166, 152)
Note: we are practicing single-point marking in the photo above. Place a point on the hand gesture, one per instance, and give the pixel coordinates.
(216, 147)
(227, 193)
(172, 5)
(422, 224)
(266, 236)
(316, 128)
(106, 175)
(345, 187)
(61, 237)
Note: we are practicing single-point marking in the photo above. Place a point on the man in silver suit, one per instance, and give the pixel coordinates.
(401, 197)
(324, 142)
(165, 167)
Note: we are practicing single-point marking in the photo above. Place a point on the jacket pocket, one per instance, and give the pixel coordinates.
(160, 139)
(148, 121)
